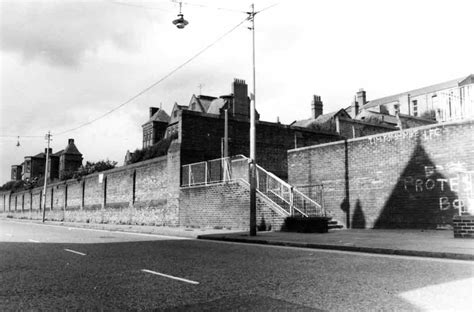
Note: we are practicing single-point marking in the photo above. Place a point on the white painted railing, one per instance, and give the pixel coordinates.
(287, 197)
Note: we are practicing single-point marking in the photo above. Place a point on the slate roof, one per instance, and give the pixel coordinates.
(161, 116)
(216, 106)
(71, 149)
(366, 114)
(321, 119)
(58, 153)
(205, 101)
(433, 88)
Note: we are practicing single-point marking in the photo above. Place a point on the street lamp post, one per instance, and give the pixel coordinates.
(181, 23)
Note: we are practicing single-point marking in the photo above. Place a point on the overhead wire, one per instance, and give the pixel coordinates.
(155, 83)
(208, 6)
(161, 79)
(140, 6)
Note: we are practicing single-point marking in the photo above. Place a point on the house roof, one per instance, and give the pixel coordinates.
(71, 149)
(469, 79)
(205, 101)
(58, 153)
(305, 123)
(161, 116)
(390, 119)
(40, 155)
(433, 88)
(216, 106)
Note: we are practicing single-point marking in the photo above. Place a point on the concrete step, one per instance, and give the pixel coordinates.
(334, 225)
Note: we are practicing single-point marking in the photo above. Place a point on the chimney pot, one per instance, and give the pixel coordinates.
(360, 101)
(316, 106)
(71, 141)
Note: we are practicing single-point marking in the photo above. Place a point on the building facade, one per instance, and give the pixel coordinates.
(200, 129)
(447, 101)
(60, 163)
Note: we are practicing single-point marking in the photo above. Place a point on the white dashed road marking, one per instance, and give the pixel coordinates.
(9, 235)
(33, 241)
(172, 277)
(76, 252)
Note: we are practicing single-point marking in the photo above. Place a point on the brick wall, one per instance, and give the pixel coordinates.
(142, 193)
(463, 226)
(224, 205)
(93, 192)
(119, 188)
(416, 178)
(351, 128)
(202, 134)
(74, 194)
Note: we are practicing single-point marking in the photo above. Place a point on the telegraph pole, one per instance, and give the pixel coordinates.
(252, 173)
(47, 137)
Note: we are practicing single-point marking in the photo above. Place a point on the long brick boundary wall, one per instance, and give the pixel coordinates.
(142, 193)
(463, 226)
(415, 178)
(225, 205)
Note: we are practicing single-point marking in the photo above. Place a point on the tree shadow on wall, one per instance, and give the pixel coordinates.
(358, 218)
(421, 199)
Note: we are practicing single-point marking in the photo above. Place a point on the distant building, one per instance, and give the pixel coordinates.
(155, 128)
(62, 162)
(70, 159)
(200, 126)
(33, 166)
(341, 123)
(446, 101)
(16, 172)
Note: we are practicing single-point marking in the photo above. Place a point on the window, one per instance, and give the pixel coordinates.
(415, 107)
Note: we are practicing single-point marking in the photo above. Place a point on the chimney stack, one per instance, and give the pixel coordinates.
(361, 98)
(153, 110)
(316, 106)
(70, 141)
(241, 103)
(355, 106)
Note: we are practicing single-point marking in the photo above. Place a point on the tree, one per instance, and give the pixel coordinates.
(89, 168)
(13, 186)
(156, 150)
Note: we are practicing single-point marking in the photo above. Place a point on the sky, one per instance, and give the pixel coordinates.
(66, 63)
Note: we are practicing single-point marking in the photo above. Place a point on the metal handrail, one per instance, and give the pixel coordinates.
(272, 184)
(310, 200)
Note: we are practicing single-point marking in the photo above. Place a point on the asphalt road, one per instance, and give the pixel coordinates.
(59, 268)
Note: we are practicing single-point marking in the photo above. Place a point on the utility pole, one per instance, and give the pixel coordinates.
(252, 173)
(47, 137)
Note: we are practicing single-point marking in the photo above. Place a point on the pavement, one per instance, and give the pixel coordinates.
(419, 243)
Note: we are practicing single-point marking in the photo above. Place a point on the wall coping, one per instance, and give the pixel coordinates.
(93, 175)
(415, 129)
